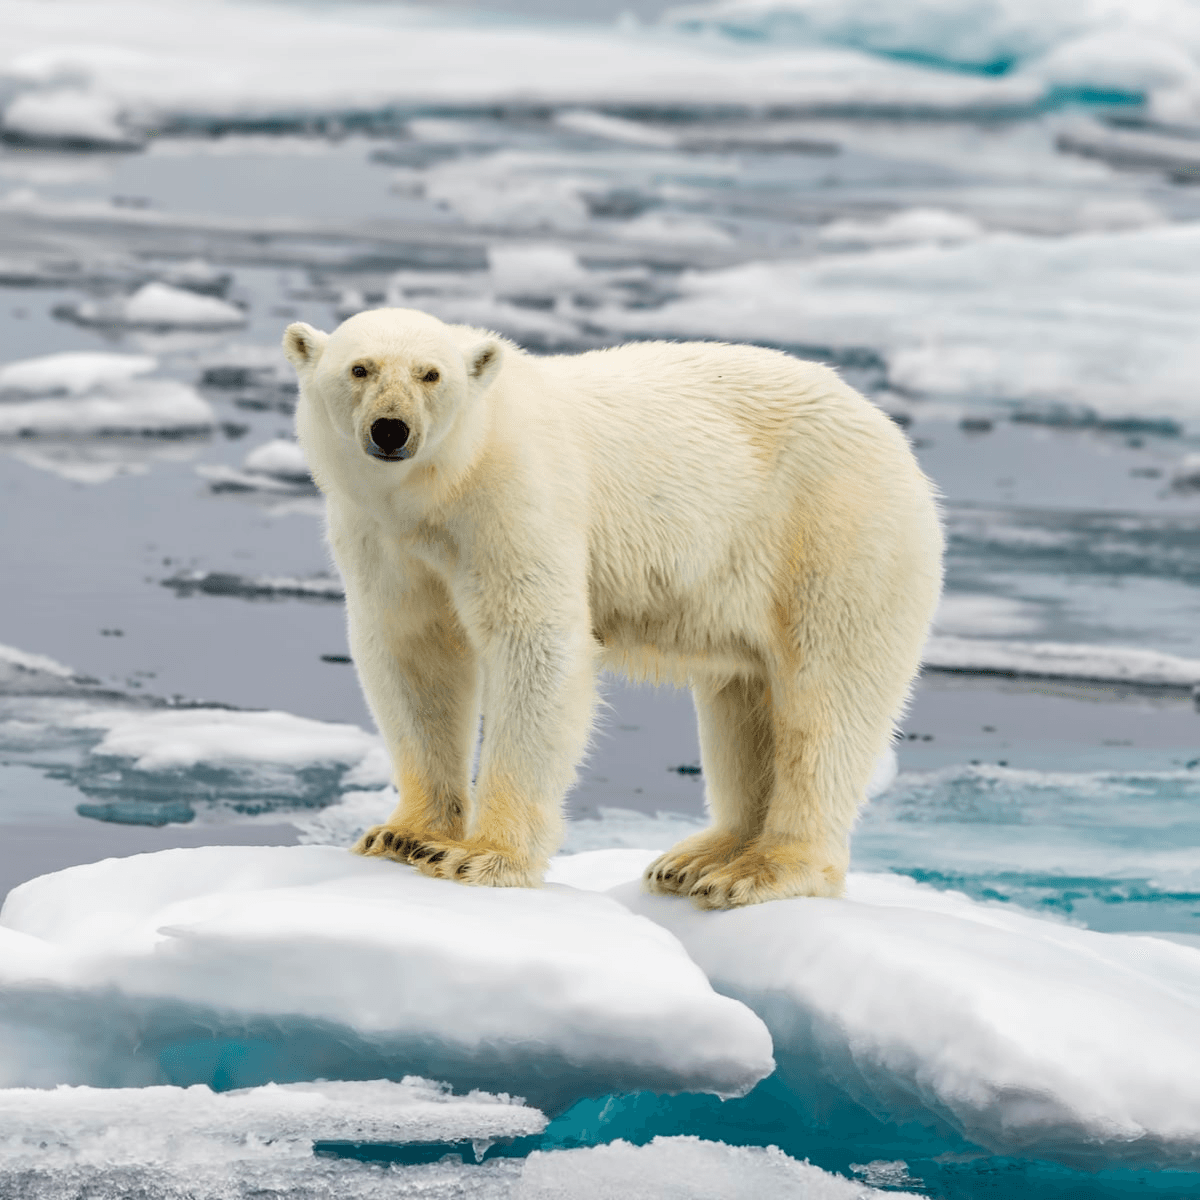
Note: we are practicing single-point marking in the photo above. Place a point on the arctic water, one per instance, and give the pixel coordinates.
(984, 215)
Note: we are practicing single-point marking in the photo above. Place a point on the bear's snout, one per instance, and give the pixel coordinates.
(388, 438)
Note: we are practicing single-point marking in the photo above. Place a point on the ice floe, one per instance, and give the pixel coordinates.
(254, 964)
(67, 117)
(253, 587)
(1058, 660)
(176, 67)
(172, 1142)
(157, 306)
(163, 1121)
(275, 466)
(683, 1168)
(79, 392)
(72, 373)
(923, 1005)
(1095, 323)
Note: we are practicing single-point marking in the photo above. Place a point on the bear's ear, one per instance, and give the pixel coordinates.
(483, 361)
(303, 345)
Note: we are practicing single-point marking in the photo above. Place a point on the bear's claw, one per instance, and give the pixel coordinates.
(466, 862)
(769, 872)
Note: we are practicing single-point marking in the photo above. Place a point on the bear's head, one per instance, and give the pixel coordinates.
(393, 382)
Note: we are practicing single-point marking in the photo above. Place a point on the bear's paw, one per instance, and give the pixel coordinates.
(769, 869)
(476, 863)
(676, 872)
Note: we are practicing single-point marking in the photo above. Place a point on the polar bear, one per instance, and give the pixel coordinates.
(721, 516)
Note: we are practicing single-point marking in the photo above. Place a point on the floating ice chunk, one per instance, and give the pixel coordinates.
(978, 35)
(12, 659)
(911, 225)
(252, 964)
(72, 373)
(1062, 660)
(1119, 60)
(1099, 321)
(252, 587)
(1186, 475)
(69, 116)
(970, 614)
(331, 63)
(175, 1142)
(139, 406)
(614, 129)
(683, 1168)
(681, 228)
(164, 1122)
(519, 269)
(277, 465)
(922, 1004)
(181, 738)
(158, 305)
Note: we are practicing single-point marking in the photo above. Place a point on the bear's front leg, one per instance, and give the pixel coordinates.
(538, 659)
(421, 679)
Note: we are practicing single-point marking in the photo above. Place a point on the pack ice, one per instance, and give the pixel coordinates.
(1028, 1037)
(235, 966)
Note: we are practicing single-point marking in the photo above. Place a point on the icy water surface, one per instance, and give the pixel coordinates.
(1004, 257)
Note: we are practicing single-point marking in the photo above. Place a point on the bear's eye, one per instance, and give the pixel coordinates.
(431, 376)
(358, 371)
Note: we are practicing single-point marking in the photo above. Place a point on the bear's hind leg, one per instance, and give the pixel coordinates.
(829, 728)
(736, 750)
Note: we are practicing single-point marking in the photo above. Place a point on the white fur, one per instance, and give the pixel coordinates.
(722, 516)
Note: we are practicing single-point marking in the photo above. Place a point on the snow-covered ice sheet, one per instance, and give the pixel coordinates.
(683, 1168)
(924, 1005)
(1092, 323)
(1056, 660)
(1120, 47)
(163, 71)
(195, 1122)
(274, 466)
(77, 393)
(248, 964)
(157, 306)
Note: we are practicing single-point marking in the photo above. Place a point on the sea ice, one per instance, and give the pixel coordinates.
(239, 965)
(923, 1005)
(1097, 322)
(1058, 660)
(72, 373)
(87, 392)
(70, 116)
(192, 1144)
(683, 1168)
(175, 65)
(277, 465)
(158, 306)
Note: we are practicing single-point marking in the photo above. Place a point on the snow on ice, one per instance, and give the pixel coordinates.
(247, 964)
(275, 466)
(164, 70)
(918, 1003)
(158, 306)
(233, 966)
(1096, 323)
(191, 1143)
(80, 392)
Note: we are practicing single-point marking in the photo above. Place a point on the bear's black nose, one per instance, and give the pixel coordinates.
(388, 437)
